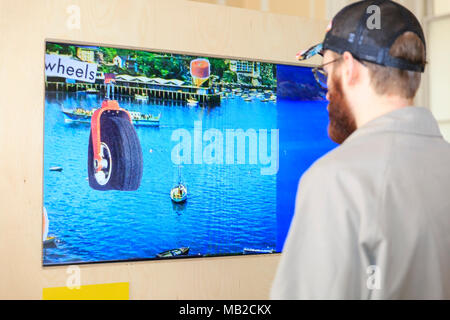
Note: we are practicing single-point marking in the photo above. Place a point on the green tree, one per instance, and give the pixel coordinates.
(218, 67)
(268, 74)
(108, 54)
(229, 76)
(61, 48)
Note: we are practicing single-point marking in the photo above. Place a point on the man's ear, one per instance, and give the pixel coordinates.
(350, 69)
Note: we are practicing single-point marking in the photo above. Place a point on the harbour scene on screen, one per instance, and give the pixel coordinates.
(223, 142)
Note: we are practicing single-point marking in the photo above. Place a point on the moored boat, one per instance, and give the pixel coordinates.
(140, 119)
(192, 102)
(50, 242)
(92, 91)
(84, 116)
(258, 251)
(174, 253)
(179, 193)
(141, 97)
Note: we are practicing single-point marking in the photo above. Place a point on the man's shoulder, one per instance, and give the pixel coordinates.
(369, 157)
(363, 157)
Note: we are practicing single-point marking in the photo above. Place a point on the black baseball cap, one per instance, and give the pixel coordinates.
(350, 31)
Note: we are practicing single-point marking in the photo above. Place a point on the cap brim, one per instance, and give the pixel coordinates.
(311, 52)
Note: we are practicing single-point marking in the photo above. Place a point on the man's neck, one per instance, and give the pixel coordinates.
(378, 106)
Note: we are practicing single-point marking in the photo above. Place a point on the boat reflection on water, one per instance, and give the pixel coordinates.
(179, 207)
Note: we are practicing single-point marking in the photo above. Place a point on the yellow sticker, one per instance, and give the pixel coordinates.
(108, 291)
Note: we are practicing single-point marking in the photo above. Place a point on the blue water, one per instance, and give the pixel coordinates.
(229, 207)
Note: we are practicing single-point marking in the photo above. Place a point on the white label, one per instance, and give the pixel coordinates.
(68, 68)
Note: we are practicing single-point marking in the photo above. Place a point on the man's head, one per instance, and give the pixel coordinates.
(370, 72)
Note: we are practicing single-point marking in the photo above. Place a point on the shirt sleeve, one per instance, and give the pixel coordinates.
(321, 257)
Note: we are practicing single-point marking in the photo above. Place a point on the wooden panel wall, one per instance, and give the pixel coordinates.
(179, 26)
(301, 8)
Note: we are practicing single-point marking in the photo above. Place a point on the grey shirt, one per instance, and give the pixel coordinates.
(372, 217)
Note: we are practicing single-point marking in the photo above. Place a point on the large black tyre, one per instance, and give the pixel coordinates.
(122, 150)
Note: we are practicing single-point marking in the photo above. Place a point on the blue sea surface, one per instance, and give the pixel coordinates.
(230, 207)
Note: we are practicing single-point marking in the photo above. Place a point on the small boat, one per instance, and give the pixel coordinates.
(268, 96)
(179, 193)
(57, 169)
(92, 91)
(140, 119)
(258, 251)
(141, 97)
(77, 115)
(174, 253)
(50, 242)
(249, 99)
(191, 101)
(84, 116)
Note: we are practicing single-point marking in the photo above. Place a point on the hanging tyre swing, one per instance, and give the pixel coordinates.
(114, 153)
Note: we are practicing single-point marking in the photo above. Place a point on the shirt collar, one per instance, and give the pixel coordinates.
(409, 120)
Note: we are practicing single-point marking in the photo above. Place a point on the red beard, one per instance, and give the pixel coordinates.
(342, 121)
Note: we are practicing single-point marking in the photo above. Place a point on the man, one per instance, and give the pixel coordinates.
(372, 217)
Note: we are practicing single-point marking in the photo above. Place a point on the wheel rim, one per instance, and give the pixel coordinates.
(102, 177)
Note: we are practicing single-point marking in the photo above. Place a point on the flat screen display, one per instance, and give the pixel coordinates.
(157, 155)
